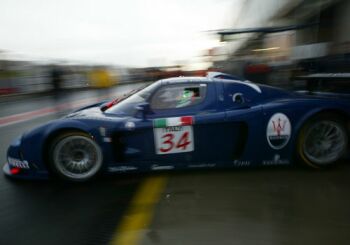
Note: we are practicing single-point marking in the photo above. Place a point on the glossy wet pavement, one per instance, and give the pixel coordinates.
(262, 206)
(259, 206)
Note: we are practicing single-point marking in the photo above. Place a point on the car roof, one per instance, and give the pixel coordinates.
(185, 80)
(210, 78)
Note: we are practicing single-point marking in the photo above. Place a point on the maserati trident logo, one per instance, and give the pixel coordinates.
(278, 131)
(278, 127)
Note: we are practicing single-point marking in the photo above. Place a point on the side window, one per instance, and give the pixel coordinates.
(178, 96)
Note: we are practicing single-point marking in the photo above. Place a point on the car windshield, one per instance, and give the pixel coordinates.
(127, 106)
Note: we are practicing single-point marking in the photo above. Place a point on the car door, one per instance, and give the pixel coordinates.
(180, 127)
(244, 115)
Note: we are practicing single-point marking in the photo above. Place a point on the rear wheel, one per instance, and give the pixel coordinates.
(322, 141)
(75, 156)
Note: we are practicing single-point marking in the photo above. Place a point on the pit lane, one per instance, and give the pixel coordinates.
(261, 206)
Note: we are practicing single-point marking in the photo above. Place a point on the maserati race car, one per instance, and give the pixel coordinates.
(186, 123)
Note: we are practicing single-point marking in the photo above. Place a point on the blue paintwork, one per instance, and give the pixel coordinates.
(226, 134)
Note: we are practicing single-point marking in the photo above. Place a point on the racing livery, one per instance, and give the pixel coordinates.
(187, 122)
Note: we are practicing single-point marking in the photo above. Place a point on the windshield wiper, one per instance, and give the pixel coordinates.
(113, 102)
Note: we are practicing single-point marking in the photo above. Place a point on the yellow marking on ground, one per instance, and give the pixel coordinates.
(139, 215)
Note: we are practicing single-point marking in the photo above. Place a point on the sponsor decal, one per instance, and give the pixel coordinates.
(107, 139)
(204, 165)
(102, 131)
(173, 135)
(13, 162)
(241, 163)
(276, 161)
(278, 131)
(122, 168)
(157, 167)
(130, 125)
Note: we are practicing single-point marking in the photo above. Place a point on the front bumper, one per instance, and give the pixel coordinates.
(6, 169)
(19, 168)
(25, 173)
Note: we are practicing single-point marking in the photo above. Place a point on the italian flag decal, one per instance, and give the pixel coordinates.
(173, 121)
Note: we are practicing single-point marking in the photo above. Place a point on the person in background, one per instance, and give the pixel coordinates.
(57, 81)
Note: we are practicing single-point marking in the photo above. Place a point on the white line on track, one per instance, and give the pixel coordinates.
(26, 116)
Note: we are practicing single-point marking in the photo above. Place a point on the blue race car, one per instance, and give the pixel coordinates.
(186, 123)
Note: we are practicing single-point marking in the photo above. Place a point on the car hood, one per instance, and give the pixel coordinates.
(94, 115)
(94, 112)
(88, 120)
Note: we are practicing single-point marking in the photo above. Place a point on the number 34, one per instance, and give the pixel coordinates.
(168, 144)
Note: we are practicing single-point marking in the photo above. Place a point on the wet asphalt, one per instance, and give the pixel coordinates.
(289, 205)
(284, 206)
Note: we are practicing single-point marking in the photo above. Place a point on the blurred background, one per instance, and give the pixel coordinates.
(72, 45)
(76, 45)
(294, 44)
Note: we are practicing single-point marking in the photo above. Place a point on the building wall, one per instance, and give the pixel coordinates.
(258, 13)
(342, 25)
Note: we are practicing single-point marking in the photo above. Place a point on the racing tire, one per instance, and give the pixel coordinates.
(75, 157)
(322, 141)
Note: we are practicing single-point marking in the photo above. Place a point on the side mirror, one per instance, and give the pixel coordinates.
(238, 98)
(104, 106)
(143, 108)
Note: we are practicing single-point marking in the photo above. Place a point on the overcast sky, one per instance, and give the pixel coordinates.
(130, 32)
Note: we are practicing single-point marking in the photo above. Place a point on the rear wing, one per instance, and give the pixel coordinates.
(325, 94)
(325, 84)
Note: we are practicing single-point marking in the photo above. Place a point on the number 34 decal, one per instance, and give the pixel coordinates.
(173, 139)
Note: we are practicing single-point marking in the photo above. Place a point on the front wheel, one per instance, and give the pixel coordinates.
(322, 141)
(75, 157)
